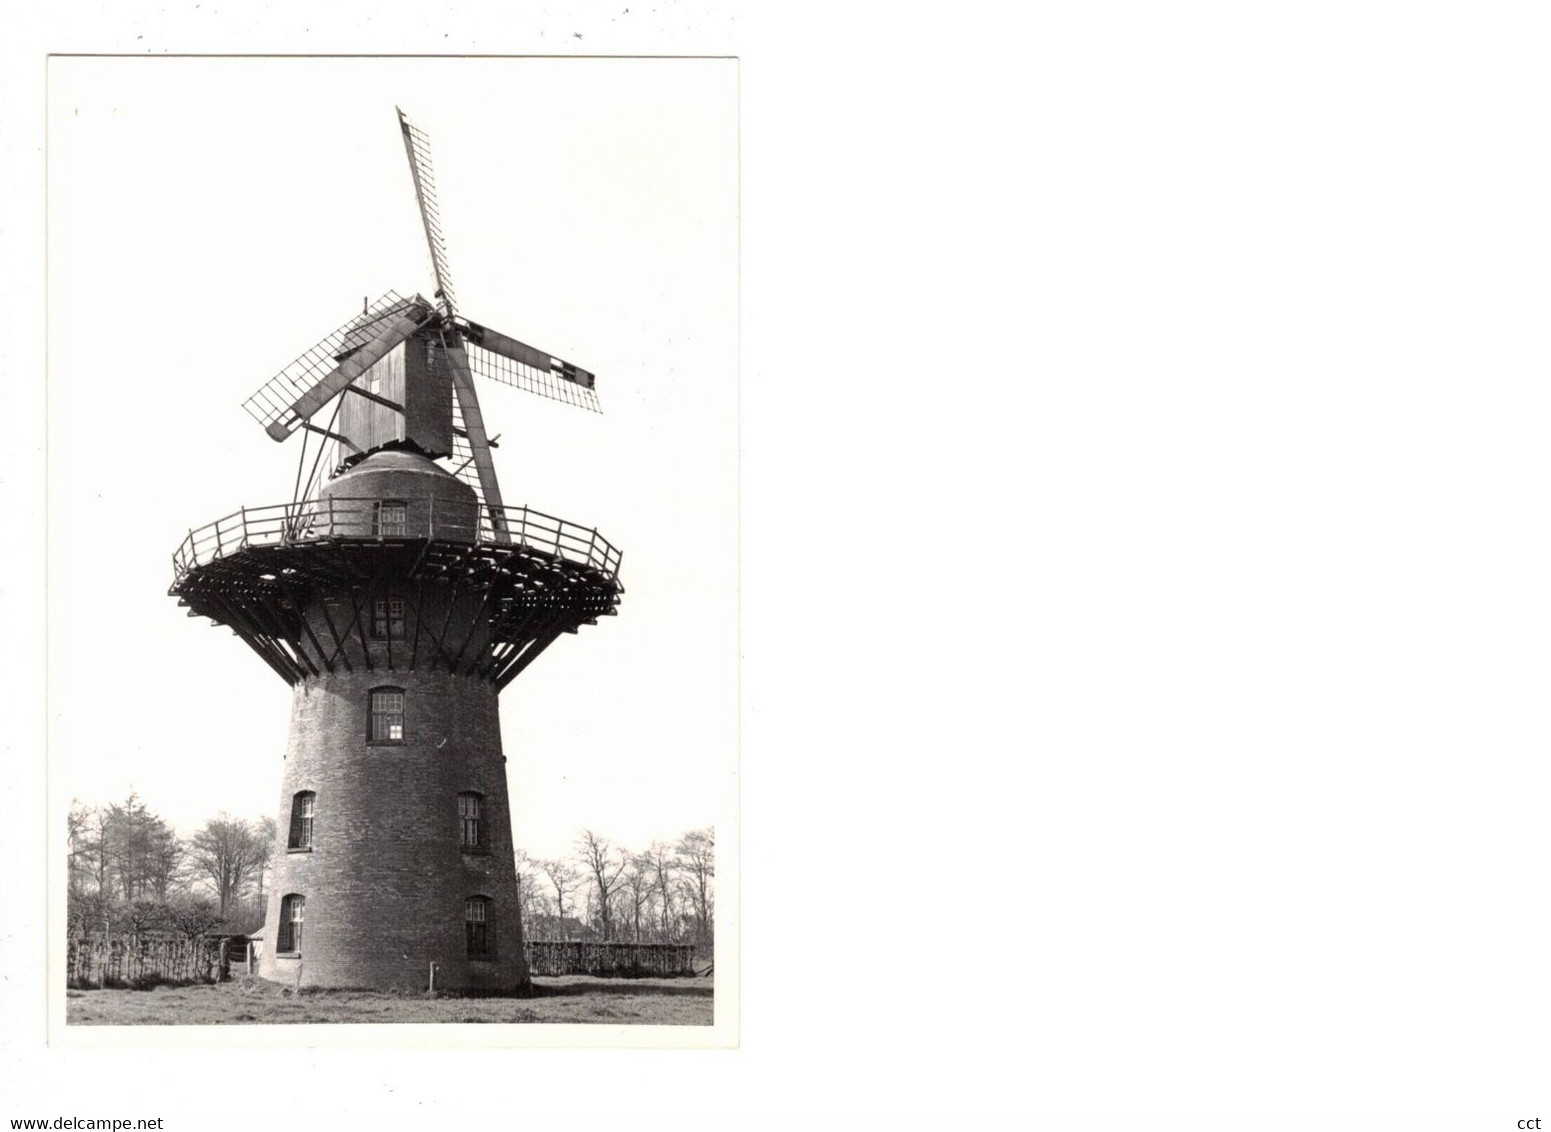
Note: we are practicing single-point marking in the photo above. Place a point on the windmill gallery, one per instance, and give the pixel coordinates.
(398, 597)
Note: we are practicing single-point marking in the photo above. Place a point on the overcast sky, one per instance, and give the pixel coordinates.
(212, 218)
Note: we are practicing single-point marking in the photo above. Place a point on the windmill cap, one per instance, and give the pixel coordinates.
(437, 503)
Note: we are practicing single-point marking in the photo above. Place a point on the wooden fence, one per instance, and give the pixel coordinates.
(619, 960)
(125, 962)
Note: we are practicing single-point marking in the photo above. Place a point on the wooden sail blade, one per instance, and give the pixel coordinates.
(322, 372)
(418, 147)
(356, 364)
(478, 440)
(500, 358)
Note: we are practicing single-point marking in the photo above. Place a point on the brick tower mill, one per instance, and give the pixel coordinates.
(397, 597)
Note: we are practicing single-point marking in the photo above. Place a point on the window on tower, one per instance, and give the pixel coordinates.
(387, 716)
(477, 927)
(471, 823)
(289, 940)
(388, 617)
(301, 820)
(392, 515)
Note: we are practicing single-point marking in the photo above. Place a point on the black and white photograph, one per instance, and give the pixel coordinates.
(412, 695)
(706, 564)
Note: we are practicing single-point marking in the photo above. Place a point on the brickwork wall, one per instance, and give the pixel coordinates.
(386, 878)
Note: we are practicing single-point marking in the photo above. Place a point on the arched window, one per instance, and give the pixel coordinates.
(290, 933)
(387, 716)
(471, 822)
(301, 820)
(480, 930)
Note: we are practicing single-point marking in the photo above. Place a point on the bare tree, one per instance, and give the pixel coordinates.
(563, 878)
(164, 864)
(95, 848)
(528, 895)
(696, 858)
(637, 892)
(598, 856)
(267, 832)
(82, 844)
(540, 913)
(660, 866)
(91, 905)
(227, 852)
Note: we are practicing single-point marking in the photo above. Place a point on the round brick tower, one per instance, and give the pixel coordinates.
(397, 608)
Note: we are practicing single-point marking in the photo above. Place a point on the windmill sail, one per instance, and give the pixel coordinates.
(302, 388)
(462, 459)
(494, 355)
(473, 422)
(412, 361)
(418, 147)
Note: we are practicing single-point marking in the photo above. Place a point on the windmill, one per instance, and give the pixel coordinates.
(397, 600)
(401, 373)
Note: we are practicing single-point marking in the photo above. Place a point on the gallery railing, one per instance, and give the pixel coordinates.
(377, 520)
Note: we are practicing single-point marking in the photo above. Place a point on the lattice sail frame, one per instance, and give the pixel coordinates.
(418, 146)
(273, 401)
(546, 383)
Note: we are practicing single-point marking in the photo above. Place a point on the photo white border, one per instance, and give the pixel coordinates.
(723, 1033)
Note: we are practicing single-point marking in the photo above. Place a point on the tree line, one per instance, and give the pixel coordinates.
(665, 893)
(130, 873)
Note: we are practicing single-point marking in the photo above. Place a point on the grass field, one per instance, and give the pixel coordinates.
(572, 998)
